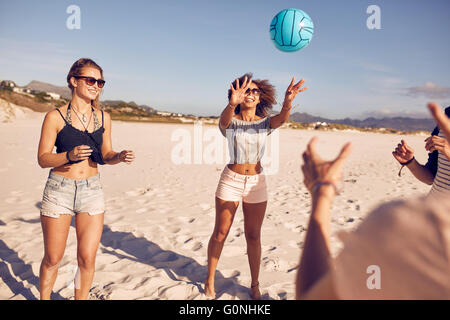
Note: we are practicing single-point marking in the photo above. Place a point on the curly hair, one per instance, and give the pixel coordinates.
(266, 98)
(76, 70)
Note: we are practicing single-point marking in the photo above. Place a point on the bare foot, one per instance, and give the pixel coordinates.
(209, 290)
(255, 294)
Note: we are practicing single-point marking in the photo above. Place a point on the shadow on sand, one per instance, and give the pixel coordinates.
(175, 265)
(19, 270)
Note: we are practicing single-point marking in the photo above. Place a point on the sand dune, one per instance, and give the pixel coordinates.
(160, 215)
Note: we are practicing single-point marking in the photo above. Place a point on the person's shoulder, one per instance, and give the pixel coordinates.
(54, 114)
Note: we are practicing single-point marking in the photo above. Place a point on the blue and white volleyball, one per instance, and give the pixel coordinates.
(291, 30)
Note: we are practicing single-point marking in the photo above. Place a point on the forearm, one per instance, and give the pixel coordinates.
(421, 172)
(52, 160)
(285, 112)
(111, 158)
(227, 115)
(314, 261)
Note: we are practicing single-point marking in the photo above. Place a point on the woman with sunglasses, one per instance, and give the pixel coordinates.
(245, 122)
(81, 133)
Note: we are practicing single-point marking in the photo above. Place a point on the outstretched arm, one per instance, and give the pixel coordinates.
(321, 178)
(291, 93)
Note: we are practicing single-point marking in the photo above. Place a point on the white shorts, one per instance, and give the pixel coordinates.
(236, 187)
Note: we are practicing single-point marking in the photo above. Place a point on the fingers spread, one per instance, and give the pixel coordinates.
(244, 84)
(300, 83)
(237, 84)
(292, 83)
(343, 154)
(345, 151)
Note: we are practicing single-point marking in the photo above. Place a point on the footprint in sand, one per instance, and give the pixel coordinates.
(275, 264)
(174, 229)
(97, 293)
(197, 246)
(183, 239)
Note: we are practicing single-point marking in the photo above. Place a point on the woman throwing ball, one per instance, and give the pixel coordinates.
(245, 122)
(81, 134)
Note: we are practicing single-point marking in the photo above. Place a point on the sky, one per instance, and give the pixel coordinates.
(181, 56)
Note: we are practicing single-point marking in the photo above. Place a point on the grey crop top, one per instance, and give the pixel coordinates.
(246, 139)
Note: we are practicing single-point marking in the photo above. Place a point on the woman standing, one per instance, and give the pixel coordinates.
(245, 123)
(81, 133)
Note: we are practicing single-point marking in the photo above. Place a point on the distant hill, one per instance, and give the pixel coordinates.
(132, 104)
(119, 108)
(64, 92)
(398, 123)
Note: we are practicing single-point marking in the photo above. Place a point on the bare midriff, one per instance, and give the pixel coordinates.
(246, 168)
(78, 171)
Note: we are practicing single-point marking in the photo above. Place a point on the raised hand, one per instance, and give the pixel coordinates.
(126, 156)
(317, 170)
(238, 92)
(293, 90)
(403, 153)
(79, 153)
(434, 143)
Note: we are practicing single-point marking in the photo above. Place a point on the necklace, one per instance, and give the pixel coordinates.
(85, 126)
(83, 114)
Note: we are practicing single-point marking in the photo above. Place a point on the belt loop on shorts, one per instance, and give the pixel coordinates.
(62, 181)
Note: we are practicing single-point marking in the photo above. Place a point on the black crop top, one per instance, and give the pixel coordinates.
(70, 137)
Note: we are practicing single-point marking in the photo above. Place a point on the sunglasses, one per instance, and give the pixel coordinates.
(254, 91)
(90, 81)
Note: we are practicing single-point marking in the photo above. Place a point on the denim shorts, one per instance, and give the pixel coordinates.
(68, 196)
(236, 187)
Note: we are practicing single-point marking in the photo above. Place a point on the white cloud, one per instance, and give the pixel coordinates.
(429, 90)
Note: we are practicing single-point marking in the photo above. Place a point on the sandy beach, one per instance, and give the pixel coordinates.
(160, 215)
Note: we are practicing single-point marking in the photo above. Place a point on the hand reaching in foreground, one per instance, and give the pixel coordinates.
(317, 171)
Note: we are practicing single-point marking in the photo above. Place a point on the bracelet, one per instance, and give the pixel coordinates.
(405, 164)
(317, 185)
